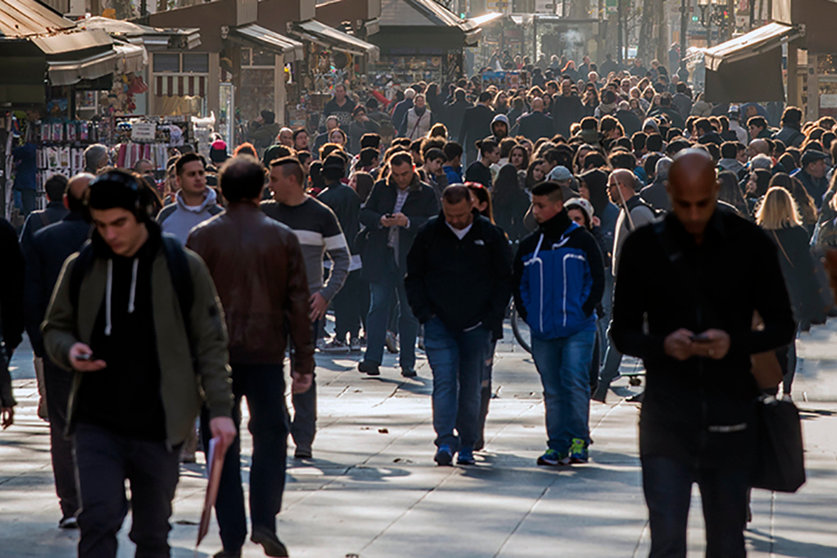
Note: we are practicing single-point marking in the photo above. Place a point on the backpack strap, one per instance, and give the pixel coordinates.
(181, 277)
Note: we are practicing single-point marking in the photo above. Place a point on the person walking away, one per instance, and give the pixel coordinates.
(536, 124)
(686, 292)
(195, 201)
(778, 215)
(47, 251)
(260, 318)
(396, 209)
(127, 316)
(560, 311)
(476, 123)
(345, 203)
(623, 190)
(35, 221)
(11, 316)
(319, 234)
(480, 170)
(458, 284)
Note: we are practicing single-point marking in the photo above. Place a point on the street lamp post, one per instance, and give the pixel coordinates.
(684, 26)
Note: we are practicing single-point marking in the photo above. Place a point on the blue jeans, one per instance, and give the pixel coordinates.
(383, 295)
(564, 366)
(457, 360)
(667, 484)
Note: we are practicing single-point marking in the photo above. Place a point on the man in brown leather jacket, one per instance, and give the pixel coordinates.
(259, 273)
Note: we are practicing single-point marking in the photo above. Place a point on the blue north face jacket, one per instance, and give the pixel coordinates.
(558, 279)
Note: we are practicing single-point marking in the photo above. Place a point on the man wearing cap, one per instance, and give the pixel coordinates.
(143, 361)
(558, 281)
(812, 174)
(561, 176)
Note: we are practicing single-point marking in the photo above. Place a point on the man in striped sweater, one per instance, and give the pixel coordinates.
(319, 234)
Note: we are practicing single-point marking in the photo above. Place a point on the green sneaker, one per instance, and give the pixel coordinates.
(553, 458)
(578, 451)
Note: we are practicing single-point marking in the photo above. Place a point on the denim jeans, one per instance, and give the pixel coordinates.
(103, 461)
(457, 360)
(57, 382)
(264, 387)
(383, 295)
(304, 423)
(667, 484)
(564, 366)
(610, 368)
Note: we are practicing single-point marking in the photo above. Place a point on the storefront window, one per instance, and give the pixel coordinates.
(261, 58)
(167, 63)
(197, 63)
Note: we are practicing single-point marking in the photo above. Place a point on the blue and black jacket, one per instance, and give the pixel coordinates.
(558, 279)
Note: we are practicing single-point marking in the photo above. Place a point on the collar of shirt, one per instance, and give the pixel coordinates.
(460, 233)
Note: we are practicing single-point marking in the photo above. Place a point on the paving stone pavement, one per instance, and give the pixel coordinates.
(372, 489)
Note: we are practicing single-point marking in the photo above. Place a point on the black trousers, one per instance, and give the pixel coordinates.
(667, 484)
(104, 461)
(264, 387)
(57, 383)
(351, 305)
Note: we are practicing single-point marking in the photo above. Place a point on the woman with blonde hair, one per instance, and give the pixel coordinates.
(779, 217)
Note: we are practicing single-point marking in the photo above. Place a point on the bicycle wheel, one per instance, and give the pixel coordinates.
(520, 329)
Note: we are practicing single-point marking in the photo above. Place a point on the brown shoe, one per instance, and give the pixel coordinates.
(270, 543)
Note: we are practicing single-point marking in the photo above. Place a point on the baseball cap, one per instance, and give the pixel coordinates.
(812, 156)
(560, 174)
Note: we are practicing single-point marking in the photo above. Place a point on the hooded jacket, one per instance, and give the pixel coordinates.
(558, 279)
(191, 360)
(177, 218)
(503, 119)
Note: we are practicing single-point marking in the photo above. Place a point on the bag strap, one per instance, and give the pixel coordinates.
(782, 248)
(418, 121)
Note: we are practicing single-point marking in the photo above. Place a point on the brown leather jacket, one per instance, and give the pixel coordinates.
(259, 273)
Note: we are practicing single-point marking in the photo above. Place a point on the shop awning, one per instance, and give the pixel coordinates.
(180, 85)
(19, 18)
(324, 35)
(130, 58)
(483, 20)
(289, 48)
(151, 37)
(69, 72)
(427, 13)
(750, 44)
(749, 67)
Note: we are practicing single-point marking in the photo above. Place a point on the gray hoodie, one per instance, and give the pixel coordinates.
(178, 218)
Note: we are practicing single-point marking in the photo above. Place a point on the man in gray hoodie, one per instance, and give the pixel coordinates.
(195, 201)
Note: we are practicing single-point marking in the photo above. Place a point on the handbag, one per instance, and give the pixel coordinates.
(779, 459)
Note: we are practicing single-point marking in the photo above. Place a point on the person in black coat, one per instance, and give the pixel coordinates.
(11, 314)
(454, 113)
(394, 212)
(52, 213)
(566, 109)
(458, 284)
(45, 257)
(536, 124)
(476, 124)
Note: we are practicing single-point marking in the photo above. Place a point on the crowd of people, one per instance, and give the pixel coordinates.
(420, 221)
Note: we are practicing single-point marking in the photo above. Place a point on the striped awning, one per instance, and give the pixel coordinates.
(180, 85)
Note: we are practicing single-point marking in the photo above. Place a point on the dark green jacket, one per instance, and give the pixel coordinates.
(183, 387)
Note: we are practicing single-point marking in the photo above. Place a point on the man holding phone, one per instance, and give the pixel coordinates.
(687, 290)
(116, 323)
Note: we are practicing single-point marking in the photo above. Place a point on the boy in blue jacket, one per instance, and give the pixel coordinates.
(558, 282)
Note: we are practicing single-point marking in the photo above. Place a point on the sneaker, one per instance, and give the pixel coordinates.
(355, 345)
(466, 457)
(444, 456)
(335, 346)
(369, 368)
(69, 522)
(408, 372)
(578, 451)
(553, 458)
(320, 344)
(391, 342)
(270, 542)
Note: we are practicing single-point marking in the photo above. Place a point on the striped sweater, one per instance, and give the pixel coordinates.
(319, 234)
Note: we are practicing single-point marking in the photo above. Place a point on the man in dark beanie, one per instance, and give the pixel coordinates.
(136, 319)
(218, 152)
(345, 203)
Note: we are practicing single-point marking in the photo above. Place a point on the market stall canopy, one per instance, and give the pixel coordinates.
(150, 37)
(330, 37)
(427, 13)
(817, 17)
(749, 67)
(292, 50)
(19, 18)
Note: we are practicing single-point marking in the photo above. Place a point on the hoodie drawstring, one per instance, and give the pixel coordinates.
(109, 294)
(133, 294)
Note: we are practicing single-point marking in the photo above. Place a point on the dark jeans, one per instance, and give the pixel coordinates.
(667, 484)
(104, 460)
(787, 360)
(485, 391)
(382, 299)
(350, 306)
(264, 387)
(57, 383)
(457, 360)
(304, 424)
